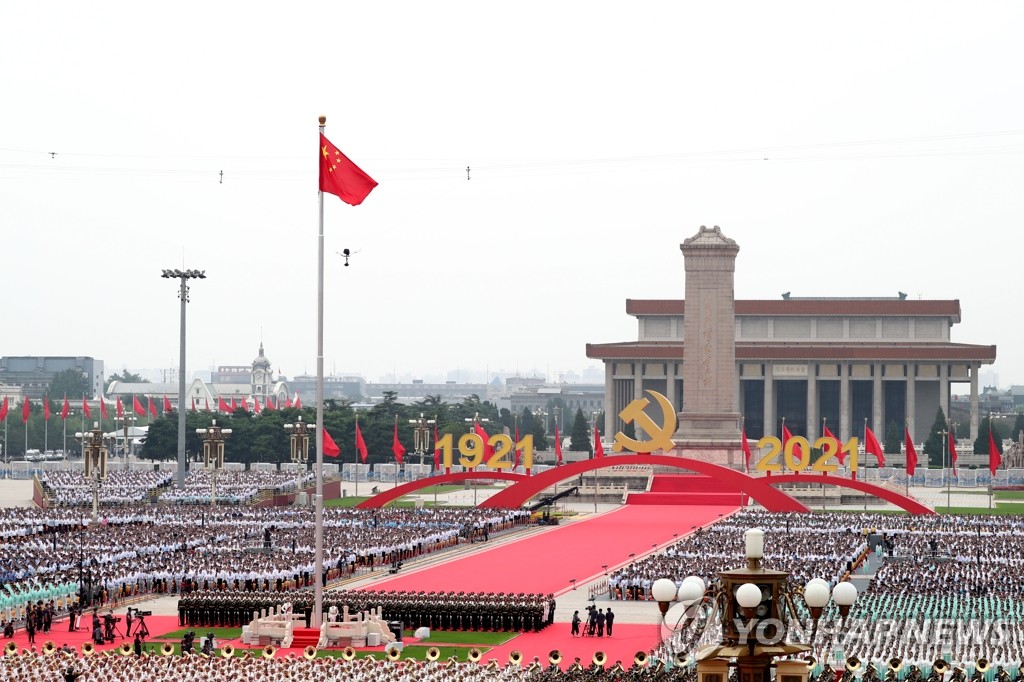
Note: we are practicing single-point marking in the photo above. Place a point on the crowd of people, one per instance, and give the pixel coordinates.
(71, 488)
(65, 667)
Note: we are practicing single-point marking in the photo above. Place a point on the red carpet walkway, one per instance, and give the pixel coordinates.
(546, 562)
(59, 635)
(629, 638)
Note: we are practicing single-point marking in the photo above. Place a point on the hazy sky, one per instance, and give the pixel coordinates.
(850, 149)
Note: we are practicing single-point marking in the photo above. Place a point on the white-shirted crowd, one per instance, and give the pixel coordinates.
(69, 488)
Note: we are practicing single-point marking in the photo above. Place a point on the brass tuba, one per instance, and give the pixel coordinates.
(516, 657)
(474, 655)
(555, 657)
(125, 649)
(433, 653)
(895, 664)
(227, 651)
(348, 653)
(11, 649)
(940, 666)
(680, 658)
(982, 665)
(853, 664)
(49, 648)
(88, 649)
(167, 649)
(640, 659)
(394, 653)
(599, 658)
(811, 662)
(269, 651)
(309, 652)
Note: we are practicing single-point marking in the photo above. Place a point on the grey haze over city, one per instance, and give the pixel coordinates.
(850, 150)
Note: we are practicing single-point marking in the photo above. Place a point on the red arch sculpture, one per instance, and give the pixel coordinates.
(381, 499)
(908, 503)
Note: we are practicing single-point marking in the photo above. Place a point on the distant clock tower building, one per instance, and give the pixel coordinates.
(261, 377)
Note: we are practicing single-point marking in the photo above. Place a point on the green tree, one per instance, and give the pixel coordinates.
(935, 446)
(579, 441)
(1018, 426)
(893, 439)
(71, 383)
(126, 377)
(981, 442)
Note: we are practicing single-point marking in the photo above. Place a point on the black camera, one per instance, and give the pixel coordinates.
(143, 613)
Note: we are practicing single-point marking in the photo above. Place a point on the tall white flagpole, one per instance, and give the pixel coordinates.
(318, 589)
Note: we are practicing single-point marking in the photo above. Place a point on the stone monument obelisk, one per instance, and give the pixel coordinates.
(709, 423)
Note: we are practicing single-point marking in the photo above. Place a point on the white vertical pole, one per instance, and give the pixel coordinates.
(318, 588)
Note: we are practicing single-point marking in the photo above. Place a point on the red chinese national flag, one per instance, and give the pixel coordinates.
(287, 401)
(484, 437)
(952, 450)
(598, 445)
(257, 409)
(994, 458)
(120, 408)
(46, 407)
(26, 410)
(360, 444)
(558, 445)
(518, 449)
(66, 409)
(331, 448)
(167, 405)
(3, 409)
(341, 177)
(840, 455)
(152, 407)
(85, 407)
(268, 404)
(746, 447)
(298, 402)
(222, 405)
(437, 450)
(873, 447)
(103, 407)
(397, 447)
(137, 406)
(911, 452)
(234, 404)
(786, 436)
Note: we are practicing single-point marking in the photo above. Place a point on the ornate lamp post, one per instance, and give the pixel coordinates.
(94, 455)
(299, 436)
(755, 611)
(476, 419)
(421, 435)
(213, 454)
(127, 421)
(184, 276)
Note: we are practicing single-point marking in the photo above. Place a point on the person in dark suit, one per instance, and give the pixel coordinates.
(609, 619)
(599, 619)
(575, 631)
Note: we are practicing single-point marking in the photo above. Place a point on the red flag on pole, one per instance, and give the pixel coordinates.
(3, 409)
(341, 177)
(598, 445)
(298, 402)
(952, 450)
(207, 401)
(103, 407)
(85, 407)
(167, 405)
(268, 404)
(517, 448)
(331, 448)
(994, 458)
(840, 455)
(120, 408)
(786, 436)
(256, 406)
(396, 445)
(287, 401)
(234, 404)
(746, 446)
(484, 437)
(437, 450)
(137, 406)
(873, 447)
(222, 405)
(360, 444)
(66, 410)
(152, 407)
(558, 445)
(911, 452)
(46, 407)
(26, 410)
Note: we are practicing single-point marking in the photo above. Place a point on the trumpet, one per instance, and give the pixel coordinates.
(309, 652)
(853, 664)
(895, 664)
(269, 651)
(348, 653)
(394, 653)
(599, 658)
(555, 657)
(227, 651)
(167, 649)
(640, 659)
(11, 649)
(49, 648)
(88, 648)
(125, 649)
(433, 653)
(982, 665)
(474, 655)
(940, 666)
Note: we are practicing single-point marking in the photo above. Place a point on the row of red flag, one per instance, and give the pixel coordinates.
(148, 410)
(873, 447)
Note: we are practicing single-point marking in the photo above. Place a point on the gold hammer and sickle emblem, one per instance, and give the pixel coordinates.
(661, 436)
